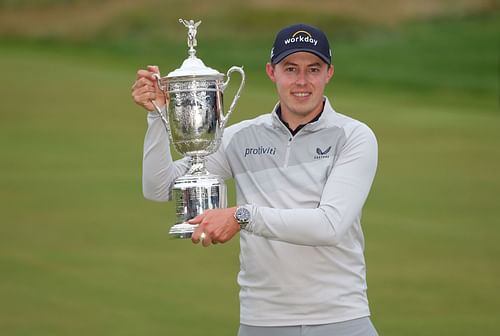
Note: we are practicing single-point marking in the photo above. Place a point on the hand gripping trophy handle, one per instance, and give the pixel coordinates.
(236, 96)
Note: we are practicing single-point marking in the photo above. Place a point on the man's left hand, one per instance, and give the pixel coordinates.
(217, 225)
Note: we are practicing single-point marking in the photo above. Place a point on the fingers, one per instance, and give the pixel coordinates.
(197, 235)
(143, 93)
(217, 225)
(206, 241)
(204, 238)
(154, 68)
(144, 83)
(200, 234)
(145, 88)
(148, 73)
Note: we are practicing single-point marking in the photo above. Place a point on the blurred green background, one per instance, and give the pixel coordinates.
(81, 251)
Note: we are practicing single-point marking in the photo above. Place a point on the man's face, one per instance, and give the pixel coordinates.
(300, 80)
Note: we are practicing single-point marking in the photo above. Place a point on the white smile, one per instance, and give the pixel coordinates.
(301, 94)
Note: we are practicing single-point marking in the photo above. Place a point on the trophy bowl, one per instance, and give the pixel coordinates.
(195, 114)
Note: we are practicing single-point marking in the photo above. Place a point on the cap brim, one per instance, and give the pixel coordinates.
(286, 53)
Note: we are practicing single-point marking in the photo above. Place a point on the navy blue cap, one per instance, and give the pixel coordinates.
(300, 37)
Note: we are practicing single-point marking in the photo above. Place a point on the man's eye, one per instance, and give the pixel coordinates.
(314, 69)
(289, 69)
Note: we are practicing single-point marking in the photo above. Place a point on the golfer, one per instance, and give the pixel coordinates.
(302, 173)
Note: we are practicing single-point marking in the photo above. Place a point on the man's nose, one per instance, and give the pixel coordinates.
(301, 78)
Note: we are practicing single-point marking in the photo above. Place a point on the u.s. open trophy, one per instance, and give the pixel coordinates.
(195, 122)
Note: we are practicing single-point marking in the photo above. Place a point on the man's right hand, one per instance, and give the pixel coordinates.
(145, 89)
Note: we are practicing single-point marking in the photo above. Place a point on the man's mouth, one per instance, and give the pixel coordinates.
(301, 94)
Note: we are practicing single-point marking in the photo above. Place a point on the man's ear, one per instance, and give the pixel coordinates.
(331, 71)
(270, 72)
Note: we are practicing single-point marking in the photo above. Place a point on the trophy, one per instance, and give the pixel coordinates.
(195, 122)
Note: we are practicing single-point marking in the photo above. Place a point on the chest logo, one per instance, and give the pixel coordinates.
(322, 154)
(261, 150)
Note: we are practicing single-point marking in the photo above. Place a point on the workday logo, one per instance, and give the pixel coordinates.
(322, 154)
(301, 36)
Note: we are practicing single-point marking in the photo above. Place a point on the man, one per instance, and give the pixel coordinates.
(302, 173)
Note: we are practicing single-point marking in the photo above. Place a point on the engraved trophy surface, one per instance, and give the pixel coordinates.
(195, 122)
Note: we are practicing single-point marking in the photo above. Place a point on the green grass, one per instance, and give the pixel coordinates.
(82, 253)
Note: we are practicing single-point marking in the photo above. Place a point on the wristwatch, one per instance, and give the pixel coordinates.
(242, 216)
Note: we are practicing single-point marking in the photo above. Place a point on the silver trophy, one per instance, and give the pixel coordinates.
(195, 122)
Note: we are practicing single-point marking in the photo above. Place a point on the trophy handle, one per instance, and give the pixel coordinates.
(164, 119)
(237, 95)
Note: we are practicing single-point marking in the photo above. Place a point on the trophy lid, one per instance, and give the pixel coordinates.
(192, 66)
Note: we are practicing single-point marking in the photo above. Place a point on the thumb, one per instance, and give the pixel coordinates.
(154, 68)
(196, 220)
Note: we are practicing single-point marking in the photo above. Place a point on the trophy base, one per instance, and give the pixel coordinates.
(182, 231)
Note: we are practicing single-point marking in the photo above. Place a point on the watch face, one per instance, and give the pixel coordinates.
(243, 215)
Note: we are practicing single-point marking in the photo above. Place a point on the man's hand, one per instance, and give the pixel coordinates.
(145, 89)
(218, 225)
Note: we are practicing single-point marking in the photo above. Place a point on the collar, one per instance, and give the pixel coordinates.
(277, 112)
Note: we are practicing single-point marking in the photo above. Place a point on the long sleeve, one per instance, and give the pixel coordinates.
(159, 171)
(342, 199)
